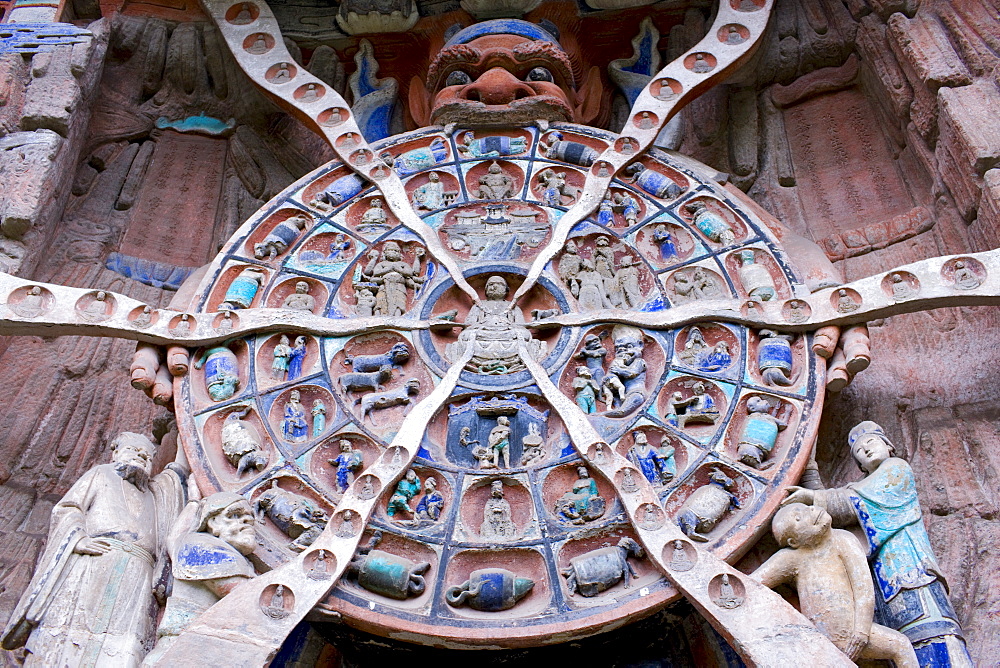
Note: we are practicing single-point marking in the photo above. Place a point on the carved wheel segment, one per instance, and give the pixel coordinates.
(698, 395)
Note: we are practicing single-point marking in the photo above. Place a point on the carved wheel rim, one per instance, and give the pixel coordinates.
(544, 543)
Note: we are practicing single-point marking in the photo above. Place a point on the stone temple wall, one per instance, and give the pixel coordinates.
(869, 126)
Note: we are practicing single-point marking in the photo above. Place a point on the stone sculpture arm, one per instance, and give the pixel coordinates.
(835, 501)
(777, 570)
(856, 567)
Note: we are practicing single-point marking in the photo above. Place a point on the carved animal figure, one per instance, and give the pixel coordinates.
(367, 380)
(401, 396)
(396, 356)
(598, 570)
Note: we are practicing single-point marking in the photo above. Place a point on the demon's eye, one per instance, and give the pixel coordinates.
(539, 74)
(458, 78)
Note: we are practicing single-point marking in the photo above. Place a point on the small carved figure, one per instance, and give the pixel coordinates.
(910, 592)
(657, 465)
(593, 354)
(845, 302)
(226, 324)
(628, 206)
(145, 318)
(294, 425)
(699, 284)
(320, 569)
(552, 188)
(965, 278)
(583, 503)
(97, 309)
(394, 277)
(105, 536)
(499, 442)
(710, 224)
(243, 289)
(387, 574)
(797, 311)
(727, 597)
(282, 75)
(346, 528)
(663, 238)
(586, 390)
(244, 15)
(418, 159)
(593, 290)
(282, 353)
(629, 485)
(275, 609)
(259, 46)
(627, 281)
(734, 36)
(624, 384)
(756, 279)
(700, 66)
(431, 503)
(365, 302)
(679, 560)
(296, 358)
(32, 305)
(774, 358)
(828, 570)
(406, 490)
(374, 219)
(222, 372)
(241, 444)
(297, 517)
(760, 432)
(300, 300)
(496, 183)
(605, 212)
(401, 396)
(431, 195)
(184, 324)
(280, 238)
(699, 408)
(319, 418)
(569, 267)
(497, 522)
(596, 571)
(627, 148)
(645, 122)
(491, 147)
(901, 288)
(208, 549)
(490, 590)
(604, 257)
(347, 463)
(338, 248)
(707, 505)
(532, 443)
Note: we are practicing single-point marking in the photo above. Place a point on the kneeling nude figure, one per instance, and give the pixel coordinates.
(828, 569)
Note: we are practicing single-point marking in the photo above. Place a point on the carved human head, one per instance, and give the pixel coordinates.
(294, 396)
(504, 72)
(430, 485)
(345, 445)
(132, 455)
(583, 371)
(503, 421)
(496, 488)
(301, 287)
(870, 446)
(582, 472)
(229, 517)
(411, 475)
(639, 438)
(300, 341)
(391, 251)
(628, 342)
(797, 525)
(496, 287)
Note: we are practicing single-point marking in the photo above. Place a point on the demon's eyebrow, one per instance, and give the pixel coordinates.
(545, 53)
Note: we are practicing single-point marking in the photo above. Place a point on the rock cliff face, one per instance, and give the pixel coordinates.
(869, 126)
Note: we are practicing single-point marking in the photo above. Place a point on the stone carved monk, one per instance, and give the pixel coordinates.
(89, 601)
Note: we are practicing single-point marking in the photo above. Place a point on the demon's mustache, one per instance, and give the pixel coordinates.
(525, 110)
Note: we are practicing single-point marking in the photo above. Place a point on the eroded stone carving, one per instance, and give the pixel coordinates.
(296, 516)
(707, 505)
(598, 570)
(583, 503)
(490, 590)
(241, 444)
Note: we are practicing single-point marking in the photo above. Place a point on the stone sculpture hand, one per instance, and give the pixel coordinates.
(801, 495)
(94, 547)
(153, 368)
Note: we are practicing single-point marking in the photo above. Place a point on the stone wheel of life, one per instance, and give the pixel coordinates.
(416, 583)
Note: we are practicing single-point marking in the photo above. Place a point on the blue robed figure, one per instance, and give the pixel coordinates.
(911, 593)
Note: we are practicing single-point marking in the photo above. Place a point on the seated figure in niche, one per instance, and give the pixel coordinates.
(338, 248)
(497, 520)
(374, 219)
(406, 490)
(699, 408)
(394, 277)
(431, 195)
(300, 300)
(495, 183)
(665, 241)
(624, 384)
(628, 206)
(495, 331)
(583, 503)
(431, 503)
